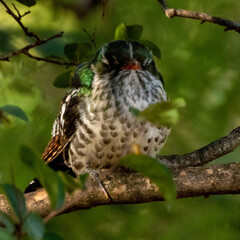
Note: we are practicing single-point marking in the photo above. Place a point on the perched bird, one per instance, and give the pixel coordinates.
(94, 127)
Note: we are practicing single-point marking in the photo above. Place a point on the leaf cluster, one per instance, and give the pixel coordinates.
(161, 114)
(82, 51)
(29, 225)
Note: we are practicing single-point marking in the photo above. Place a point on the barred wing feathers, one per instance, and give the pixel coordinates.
(64, 126)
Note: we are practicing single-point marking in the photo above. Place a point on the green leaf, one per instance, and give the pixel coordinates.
(7, 223)
(16, 199)
(134, 32)
(153, 47)
(157, 172)
(70, 182)
(28, 3)
(179, 103)
(15, 111)
(134, 111)
(63, 80)
(34, 226)
(76, 52)
(162, 114)
(52, 236)
(49, 179)
(121, 32)
(5, 235)
(83, 179)
(55, 58)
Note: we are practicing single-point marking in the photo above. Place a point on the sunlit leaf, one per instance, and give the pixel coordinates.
(161, 114)
(34, 226)
(179, 103)
(134, 32)
(7, 223)
(49, 179)
(157, 172)
(28, 3)
(15, 111)
(121, 32)
(16, 200)
(131, 32)
(76, 52)
(52, 236)
(63, 80)
(153, 47)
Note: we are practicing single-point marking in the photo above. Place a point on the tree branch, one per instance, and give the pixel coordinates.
(27, 53)
(18, 17)
(38, 42)
(204, 17)
(28, 47)
(206, 154)
(131, 187)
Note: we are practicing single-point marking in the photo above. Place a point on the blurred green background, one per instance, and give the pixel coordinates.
(200, 63)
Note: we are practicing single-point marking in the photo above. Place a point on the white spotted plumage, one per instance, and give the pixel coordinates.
(93, 131)
(114, 129)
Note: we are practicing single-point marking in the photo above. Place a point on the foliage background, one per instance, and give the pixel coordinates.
(199, 63)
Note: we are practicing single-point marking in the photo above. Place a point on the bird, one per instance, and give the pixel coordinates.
(95, 127)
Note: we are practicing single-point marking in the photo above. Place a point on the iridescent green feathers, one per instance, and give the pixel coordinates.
(83, 78)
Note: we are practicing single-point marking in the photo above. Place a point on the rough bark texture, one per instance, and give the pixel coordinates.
(132, 187)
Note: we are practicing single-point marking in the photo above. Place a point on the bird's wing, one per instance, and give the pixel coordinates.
(54, 148)
(64, 126)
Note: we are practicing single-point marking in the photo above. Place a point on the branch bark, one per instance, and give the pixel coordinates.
(203, 17)
(132, 187)
(206, 154)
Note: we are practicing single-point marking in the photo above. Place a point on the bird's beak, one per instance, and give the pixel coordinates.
(133, 64)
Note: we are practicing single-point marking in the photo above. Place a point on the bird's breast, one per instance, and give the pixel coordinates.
(107, 130)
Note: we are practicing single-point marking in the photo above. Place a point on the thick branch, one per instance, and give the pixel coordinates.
(204, 17)
(131, 187)
(206, 154)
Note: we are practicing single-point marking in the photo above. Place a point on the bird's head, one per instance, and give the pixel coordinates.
(113, 58)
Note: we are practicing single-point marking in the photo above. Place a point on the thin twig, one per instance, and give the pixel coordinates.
(103, 9)
(163, 4)
(20, 15)
(203, 17)
(38, 41)
(28, 47)
(50, 60)
(205, 154)
(92, 37)
(18, 18)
